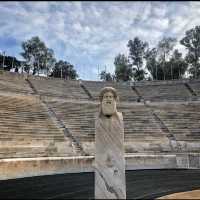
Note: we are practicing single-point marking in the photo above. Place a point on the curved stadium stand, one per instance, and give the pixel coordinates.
(47, 136)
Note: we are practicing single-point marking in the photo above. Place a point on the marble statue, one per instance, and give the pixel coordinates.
(109, 148)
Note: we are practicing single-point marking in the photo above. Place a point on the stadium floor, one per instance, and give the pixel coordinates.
(141, 184)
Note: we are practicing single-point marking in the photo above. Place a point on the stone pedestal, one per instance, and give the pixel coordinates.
(109, 158)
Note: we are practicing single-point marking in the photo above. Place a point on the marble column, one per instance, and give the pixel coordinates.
(109, 157)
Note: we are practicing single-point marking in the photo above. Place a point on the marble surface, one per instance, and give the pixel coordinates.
(195, 194)
(109, 158)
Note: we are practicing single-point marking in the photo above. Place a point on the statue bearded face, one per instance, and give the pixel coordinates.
(108, 104)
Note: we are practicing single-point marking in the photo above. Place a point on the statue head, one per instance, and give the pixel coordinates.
(108, 97)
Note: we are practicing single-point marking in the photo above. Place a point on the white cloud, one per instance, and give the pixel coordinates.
(159, 9)
(93, 33)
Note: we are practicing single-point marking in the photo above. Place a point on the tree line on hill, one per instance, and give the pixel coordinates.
(39, 59)
(161, 62)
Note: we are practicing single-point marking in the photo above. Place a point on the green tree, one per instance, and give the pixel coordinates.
(9, 62)
(152, 64)
(165, 47)
(137, 49)
(37, 55)
(48, 60)
(191, 41)
(176, 66)
(123, 69)
(63, 69)
(106, 76)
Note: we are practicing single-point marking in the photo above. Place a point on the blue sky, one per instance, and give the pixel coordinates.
(91, 34)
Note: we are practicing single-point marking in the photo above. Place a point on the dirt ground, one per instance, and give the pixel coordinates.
(194, 194)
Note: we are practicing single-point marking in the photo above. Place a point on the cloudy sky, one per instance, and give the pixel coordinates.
(91, 34)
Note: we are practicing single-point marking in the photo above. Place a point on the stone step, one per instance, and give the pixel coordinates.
(26, 126)
(8, 136)
(26, 123)
(14, 152)
(24, 118)
(30, 131)
(31, 155)
(24, 142)
(17, 113)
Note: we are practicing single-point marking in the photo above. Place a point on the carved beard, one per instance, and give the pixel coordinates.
(108, 107)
